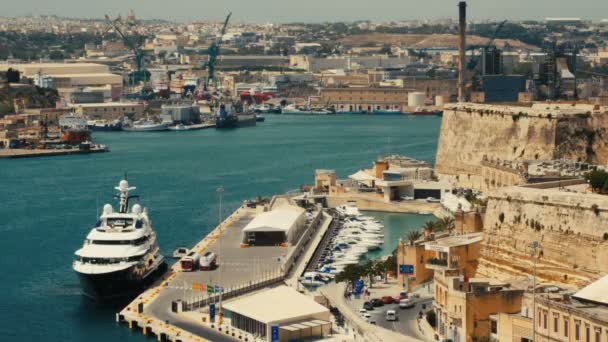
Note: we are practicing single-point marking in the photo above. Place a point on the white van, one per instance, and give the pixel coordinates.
(391, 315)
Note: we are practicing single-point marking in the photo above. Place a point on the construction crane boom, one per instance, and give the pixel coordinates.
(140, 74)
(214, 51)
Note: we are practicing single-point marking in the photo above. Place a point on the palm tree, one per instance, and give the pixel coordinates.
(447, 223)
(413, 236)
(430, 227)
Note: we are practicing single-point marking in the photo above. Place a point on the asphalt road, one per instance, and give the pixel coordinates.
(407, 322)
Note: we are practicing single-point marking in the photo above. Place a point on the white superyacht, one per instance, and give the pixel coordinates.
(120, 255)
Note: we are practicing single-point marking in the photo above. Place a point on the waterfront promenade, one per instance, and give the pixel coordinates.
(27, 153)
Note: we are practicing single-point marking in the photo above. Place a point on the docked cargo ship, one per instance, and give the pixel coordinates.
(120, 255)
(74, 130)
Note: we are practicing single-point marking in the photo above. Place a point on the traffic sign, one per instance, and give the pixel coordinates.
(406, 269)
(211, 313)
(274, 333)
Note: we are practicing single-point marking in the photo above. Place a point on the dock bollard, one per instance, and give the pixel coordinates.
(130, 324)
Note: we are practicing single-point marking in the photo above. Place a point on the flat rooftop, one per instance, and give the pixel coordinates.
(455, 240)
(278, 304)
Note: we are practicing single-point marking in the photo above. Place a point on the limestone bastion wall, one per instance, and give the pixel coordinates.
(572, 229)
(471, 131)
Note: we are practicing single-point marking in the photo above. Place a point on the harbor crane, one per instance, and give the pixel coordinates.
(140, 74)
(214, 51)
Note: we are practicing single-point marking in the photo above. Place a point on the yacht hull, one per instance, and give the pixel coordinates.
(118, 285)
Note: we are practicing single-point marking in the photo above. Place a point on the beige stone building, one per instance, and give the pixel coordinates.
(324, 180)
(558, 317)
(365, 99)
(109, 110)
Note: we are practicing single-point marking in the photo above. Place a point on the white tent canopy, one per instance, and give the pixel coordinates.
(362, 176)
(287, 219)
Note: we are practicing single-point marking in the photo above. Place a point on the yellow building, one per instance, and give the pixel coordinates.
(324, 180)
(463, 306)
(559, 316)
(457, 254)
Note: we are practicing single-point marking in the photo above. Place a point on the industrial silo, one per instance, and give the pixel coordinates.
(416, 99)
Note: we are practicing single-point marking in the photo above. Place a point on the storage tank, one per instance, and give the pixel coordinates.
(416, 99)
(438, 101)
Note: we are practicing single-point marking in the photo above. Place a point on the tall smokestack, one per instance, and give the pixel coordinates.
(462, 45)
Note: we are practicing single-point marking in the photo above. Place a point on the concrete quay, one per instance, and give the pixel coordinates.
(240, 271)
(26, 153)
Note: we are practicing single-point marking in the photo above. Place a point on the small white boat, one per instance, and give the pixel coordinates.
(180, 252)
(179, 127)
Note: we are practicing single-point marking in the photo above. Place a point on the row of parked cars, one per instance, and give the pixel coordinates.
(403, 300)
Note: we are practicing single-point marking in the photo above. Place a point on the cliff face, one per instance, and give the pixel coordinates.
(572, 229)
(471, 131)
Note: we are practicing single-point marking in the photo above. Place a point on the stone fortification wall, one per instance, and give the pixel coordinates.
(471, 131)
(572, 229)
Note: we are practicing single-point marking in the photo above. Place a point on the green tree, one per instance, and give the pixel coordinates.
(350, 274)
(597, 179)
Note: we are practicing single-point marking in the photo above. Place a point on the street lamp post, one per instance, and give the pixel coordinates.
(534, 245)
(220, 192)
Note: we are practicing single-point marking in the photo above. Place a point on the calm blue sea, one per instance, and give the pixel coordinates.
(49, 204)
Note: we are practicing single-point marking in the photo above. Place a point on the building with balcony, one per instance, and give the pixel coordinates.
(454, 254)
(463, 306)
(559, 315)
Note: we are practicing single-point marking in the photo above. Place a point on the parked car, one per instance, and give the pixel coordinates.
(433, 200)
(391, 315)
(396, 299)
(387, 300)
(377, 302)
(406, 304)
(403, 294)
(407, 198)
(372, 321)
(208, 261)
(368, 306)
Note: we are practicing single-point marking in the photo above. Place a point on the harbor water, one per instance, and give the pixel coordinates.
(49, 204)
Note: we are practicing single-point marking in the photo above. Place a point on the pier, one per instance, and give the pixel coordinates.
(173, 309)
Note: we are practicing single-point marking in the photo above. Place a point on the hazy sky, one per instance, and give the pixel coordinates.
(309, 10)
